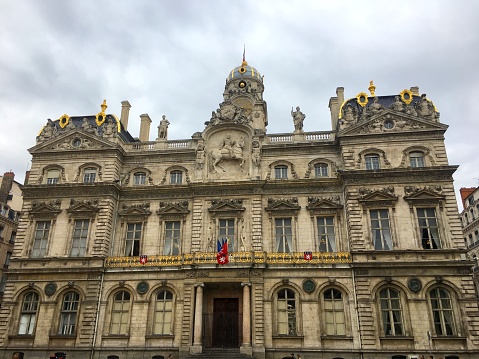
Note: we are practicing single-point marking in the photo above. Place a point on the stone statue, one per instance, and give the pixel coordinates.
(425, 108)
(200, 157)
(256, 154)
(228, 143)
(49, 131)
(109, 128)
(298, 118)
(163, 128)
(86, 126)
(397, 105)
(376, 107)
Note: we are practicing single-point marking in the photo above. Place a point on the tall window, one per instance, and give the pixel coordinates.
(42, 232)
(89, 175)
(80, 236)
(176, 177)
(139, 178)
(286, 312)
(372, 162)
(133, 236)
(172, 238)
(53, 176)
(163, 317)
(13, 236)
(391, 313)
(120, 313)
(28, 315)
(327, 243)
(284, 235)
(281, 172)
(321, 170)
(442, 312)
(334, 312)
(428, 228)
(227, 231)
(68, 316)
(381, 230)
(416, 159)
(7, 259)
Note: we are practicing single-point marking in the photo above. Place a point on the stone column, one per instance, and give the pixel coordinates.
(198, 325)
(246, 345)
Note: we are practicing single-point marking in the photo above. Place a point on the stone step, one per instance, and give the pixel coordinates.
(219, 353)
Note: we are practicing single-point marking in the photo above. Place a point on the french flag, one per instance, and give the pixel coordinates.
(222, 256)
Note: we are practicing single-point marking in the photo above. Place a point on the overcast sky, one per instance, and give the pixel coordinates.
(172, 58)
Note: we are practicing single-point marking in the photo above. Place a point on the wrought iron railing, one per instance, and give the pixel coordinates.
(200, 258)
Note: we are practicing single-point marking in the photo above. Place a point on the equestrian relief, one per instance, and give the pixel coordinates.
(229, 150)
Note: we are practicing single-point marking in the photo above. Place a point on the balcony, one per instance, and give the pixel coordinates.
(238, 258)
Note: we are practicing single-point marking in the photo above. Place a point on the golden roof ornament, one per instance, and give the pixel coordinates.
(103, 106)
(101, 116)
(372, 88)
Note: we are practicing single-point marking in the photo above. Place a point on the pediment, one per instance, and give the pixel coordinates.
(227, 205)
(45, 209)
(390, 121)
(135, 210)
(73, 140)
(377, 196)
(80, 208)
(173, 208)
(315, 203)
(428, 193)
(289, 204)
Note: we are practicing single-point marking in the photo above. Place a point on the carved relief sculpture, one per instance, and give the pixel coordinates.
(228, 150)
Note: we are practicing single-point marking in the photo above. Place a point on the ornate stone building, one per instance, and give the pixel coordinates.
(470, 225)
(342, 244)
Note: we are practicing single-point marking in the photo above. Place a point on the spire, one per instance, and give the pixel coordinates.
(372, 88)
(244, 63)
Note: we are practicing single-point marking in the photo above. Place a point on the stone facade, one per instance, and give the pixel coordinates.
(342, 243)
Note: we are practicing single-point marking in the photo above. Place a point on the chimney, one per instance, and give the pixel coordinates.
(6, 186)
(415, 90)
(334, 105)
(145, 127)
(125, 111)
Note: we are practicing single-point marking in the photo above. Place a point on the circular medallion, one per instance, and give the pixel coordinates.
(64, 120)
(142, 287)
(388, 124)
(309, 286)
(414, 284)
(50, 289)
(76, 142)
(406, 96)
(362, 99)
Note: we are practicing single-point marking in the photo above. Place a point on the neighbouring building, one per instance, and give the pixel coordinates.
(342, 243)
(10, 207)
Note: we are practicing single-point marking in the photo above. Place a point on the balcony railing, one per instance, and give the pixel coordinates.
(234, 258)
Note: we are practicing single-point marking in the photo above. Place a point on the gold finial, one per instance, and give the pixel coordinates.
(103, 106)
(371, 88)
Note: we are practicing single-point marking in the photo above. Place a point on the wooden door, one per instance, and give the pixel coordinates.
(225, 323)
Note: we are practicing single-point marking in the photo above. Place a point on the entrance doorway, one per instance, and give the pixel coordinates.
(225, 323)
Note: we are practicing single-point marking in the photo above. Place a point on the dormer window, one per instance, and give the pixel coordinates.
(372, 162)
(139, 178)
(281, 172)
(416, 159)
(53, 176)
(321, 170)
(176, 177)
(89, 175)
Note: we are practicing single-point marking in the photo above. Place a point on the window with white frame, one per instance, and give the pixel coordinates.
(281, 172)
(226, 230)
(428, 228)
(68, 315)
(321, 170)
(53, 176)
(28, 314)
(391, 312)
(139, 178)
(442, 312)
(89, 175)
(176, 177)
(172, 238)
(286, 302)
(40, 242)
(381, 229)
(80, 237)
(163, 316)
(416, 159)
(120, 313)
(372, 162)
(284, 235)
(326, 239)
(133, 237)
(334, 312)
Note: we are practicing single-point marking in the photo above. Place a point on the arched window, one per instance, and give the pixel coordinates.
(120, 313)
(442, 312)
(68, 316)
(416, 159)
(176, 177)
(321, 170)
(286, 312)
(28, 315)
(372, 162)
(163, 317)
(334, 312)
(139, 178)
(391, 312)
(281, 172)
